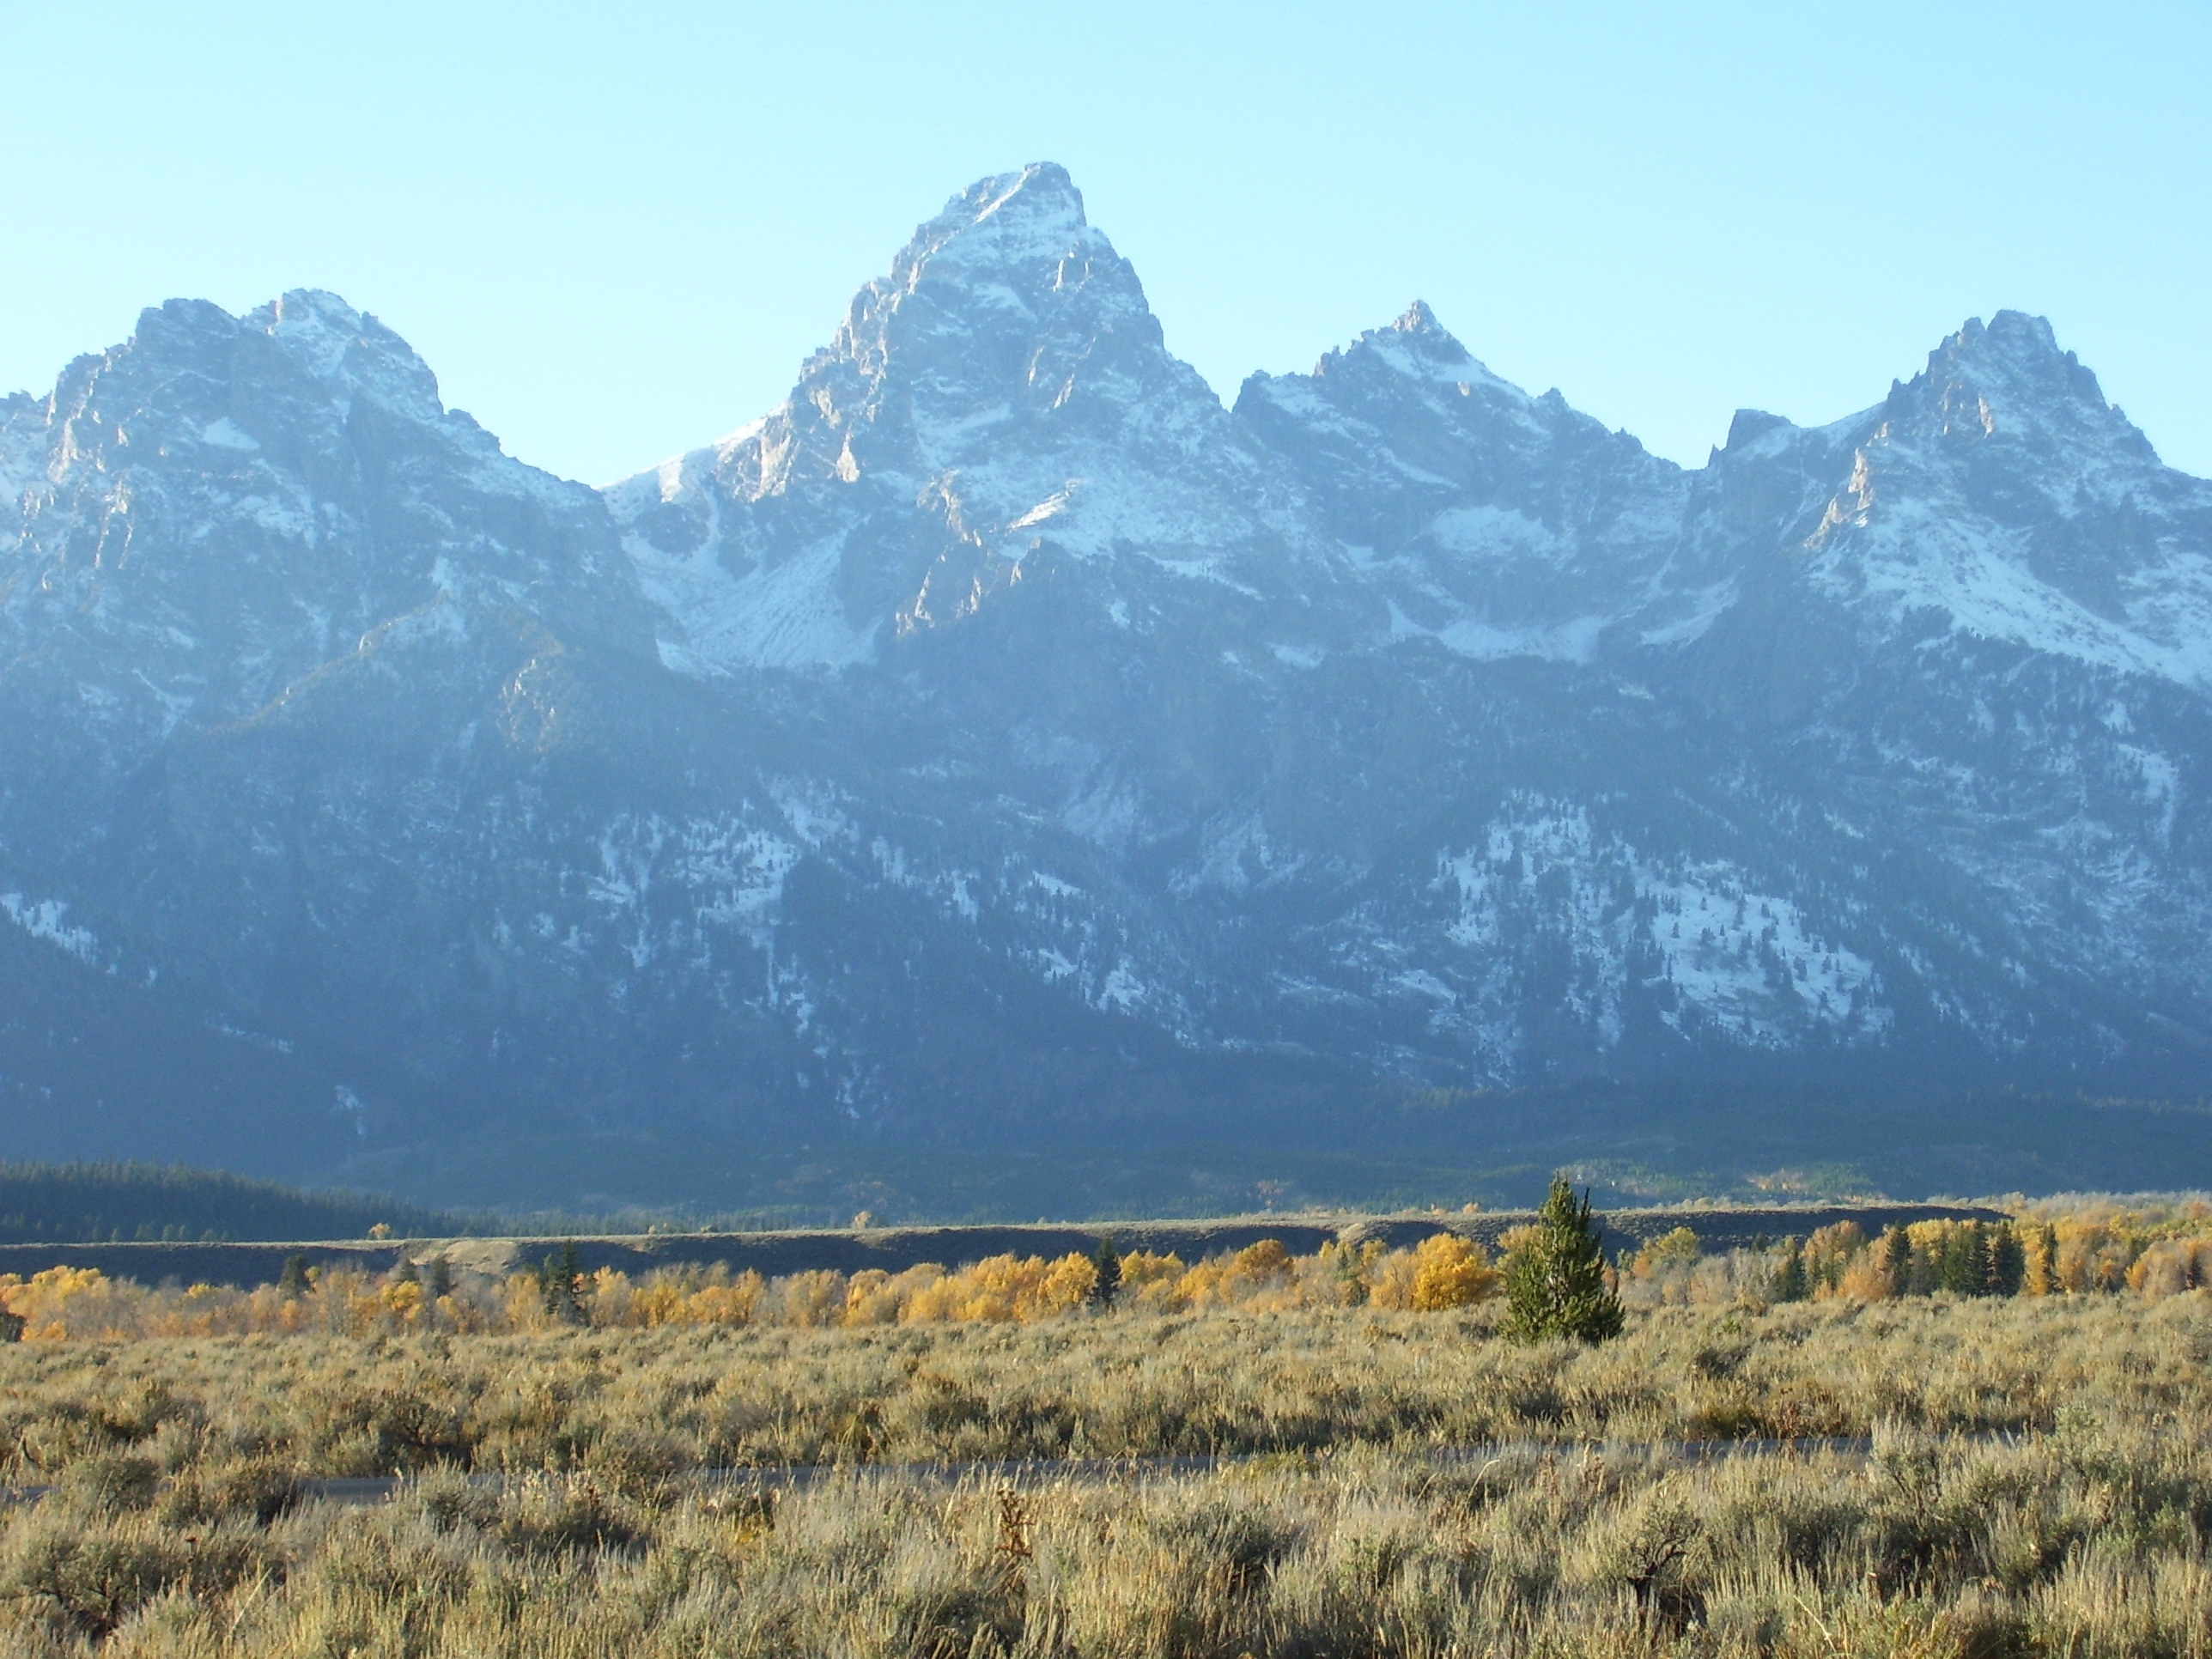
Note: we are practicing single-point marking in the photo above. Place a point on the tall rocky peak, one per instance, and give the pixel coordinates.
(1418, 347)
(1409, 405)
(1003, 391)
(307, 356)
(350, 353)
(2010, 381)
(1501, 524)
(1995, 497)
(1013, 274)
(223, 505)
(1007, 321)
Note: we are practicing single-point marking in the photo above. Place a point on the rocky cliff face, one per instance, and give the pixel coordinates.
(1002, 732)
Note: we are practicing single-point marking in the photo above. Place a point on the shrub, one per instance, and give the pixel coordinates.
(1451, 1272)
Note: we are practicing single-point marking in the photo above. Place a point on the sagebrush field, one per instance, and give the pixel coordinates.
(1383, 1473)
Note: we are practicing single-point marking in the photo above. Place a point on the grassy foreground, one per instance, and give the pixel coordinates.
(2041, 1483)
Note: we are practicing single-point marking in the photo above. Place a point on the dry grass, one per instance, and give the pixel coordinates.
(1105, 1386)
(176, 1526)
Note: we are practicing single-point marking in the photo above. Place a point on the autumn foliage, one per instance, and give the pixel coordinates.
(1443, 1273)
(2087, 1248)
(2052, 1247)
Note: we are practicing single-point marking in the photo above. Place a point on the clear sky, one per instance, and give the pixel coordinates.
(614, 231)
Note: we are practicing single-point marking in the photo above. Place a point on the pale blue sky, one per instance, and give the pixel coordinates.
(615, 231)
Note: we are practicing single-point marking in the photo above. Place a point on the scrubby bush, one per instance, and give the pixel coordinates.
(2077, 1541)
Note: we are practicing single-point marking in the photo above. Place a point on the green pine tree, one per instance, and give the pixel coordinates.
(1555, 1283)
(1967, 1260)
(1949, 1249)
(295, 1280)
(1789, 1284)
(2008, 1262)
(557, 1280)
(1108, 1262)
(1352, 1275)
(1897, 1261)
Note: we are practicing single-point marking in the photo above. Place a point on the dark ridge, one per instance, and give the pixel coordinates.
(149, 1203)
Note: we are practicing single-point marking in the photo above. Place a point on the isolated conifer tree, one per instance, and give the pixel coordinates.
(2008, 1262)
(2047, 1268)
(1789, 1284)
(1350, 1274)
(558, 1279)
(1897, 1261)
(439, 1281)
(1555, 1282)
(293, 1280)
(1108, 1264)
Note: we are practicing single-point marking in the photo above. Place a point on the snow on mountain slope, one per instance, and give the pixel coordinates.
(1003, 390)
(2000, 490)
(999, 724)
(214, 510)
(1995, 497)
(1499, 524)
(980, 400)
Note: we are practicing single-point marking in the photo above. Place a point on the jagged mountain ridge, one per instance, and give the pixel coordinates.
(1002, 728)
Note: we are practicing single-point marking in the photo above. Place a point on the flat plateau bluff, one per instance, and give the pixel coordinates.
(1003, 735)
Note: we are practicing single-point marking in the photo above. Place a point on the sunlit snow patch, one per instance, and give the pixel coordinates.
(43, 919)
(1741, 959)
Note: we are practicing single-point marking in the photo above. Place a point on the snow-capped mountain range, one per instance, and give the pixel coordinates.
(1001, 729)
